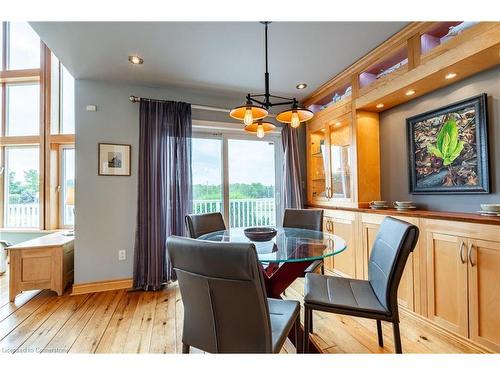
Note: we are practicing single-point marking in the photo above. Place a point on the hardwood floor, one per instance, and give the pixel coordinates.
(151, 322)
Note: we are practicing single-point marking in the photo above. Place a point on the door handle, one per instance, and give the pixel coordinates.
(469, 255)
(461, 251)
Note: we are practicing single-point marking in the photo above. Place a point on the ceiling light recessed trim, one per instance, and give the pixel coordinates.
(135, 60)
(410, 92)
(450, 75)
(301, 86)
(380, 105)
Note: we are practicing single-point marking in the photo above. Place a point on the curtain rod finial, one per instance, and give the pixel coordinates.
(134, 99)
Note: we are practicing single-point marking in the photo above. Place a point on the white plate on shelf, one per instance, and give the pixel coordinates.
(488, 213)
(408, 208)
(374, 207)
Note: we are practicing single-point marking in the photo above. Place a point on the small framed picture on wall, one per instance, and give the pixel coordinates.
(114, 159)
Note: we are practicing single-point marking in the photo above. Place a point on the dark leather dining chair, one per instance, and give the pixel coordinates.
(375, 298)
(225, 305)
(198, 225)
(306, 219)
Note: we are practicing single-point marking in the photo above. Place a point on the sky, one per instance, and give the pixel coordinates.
(249, 161)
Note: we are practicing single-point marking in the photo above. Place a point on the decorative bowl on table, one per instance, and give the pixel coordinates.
(490, 207)
(260, 234)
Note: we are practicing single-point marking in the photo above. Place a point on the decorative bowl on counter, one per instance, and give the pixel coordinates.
(260, 234)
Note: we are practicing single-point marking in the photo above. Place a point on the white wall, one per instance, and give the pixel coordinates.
(106, 205)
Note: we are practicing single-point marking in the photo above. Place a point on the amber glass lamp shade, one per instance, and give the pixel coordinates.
(248, 113)
(260, 128)
(294, 116)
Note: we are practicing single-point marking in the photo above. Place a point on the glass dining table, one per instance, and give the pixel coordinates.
(287, 255)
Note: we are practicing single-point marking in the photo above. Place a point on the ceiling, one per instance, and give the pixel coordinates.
(220, 56)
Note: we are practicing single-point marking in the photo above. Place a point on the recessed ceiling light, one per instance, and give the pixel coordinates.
(450, 75)
(338, 123)
(380, 105)
(136, 60)
(410, 92)
(301, 86)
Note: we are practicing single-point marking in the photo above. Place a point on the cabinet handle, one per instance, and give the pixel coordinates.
(462, 248)
(469, 255)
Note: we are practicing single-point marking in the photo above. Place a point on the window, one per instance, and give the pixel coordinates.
(62, 99)
(23, 46)
(22, 187)
(37, 182)
(237, 175)
(68, 185)
(22, 109)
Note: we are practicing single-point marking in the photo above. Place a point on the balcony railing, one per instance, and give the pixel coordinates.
(242, 212)
(27, 215)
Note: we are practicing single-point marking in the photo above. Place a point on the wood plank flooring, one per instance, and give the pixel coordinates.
(151, 322)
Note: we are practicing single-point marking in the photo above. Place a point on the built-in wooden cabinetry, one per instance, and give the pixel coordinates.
(463, 278)
(343, 224)
(343, 156)
(452, 277)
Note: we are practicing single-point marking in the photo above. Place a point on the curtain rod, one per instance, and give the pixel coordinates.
(137, 99)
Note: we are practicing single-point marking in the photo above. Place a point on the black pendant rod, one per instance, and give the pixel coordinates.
(266, 75)
(267, 96)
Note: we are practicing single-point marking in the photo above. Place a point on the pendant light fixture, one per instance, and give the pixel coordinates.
(260, 128)
(256, 107)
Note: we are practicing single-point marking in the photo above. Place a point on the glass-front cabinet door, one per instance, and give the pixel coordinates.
(318, 165)
(340, 142)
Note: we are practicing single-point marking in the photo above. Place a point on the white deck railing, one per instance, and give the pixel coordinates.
(242, 212)
(27, 215)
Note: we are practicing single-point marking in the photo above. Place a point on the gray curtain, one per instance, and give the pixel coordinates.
(165, 191)
(292, 174)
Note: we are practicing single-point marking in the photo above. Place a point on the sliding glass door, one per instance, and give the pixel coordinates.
(252, 183)
(207, 174)
(239, 176)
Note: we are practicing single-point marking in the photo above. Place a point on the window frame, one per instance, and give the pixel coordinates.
(60, 188)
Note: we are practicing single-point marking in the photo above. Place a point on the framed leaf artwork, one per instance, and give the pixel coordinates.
(448, 149)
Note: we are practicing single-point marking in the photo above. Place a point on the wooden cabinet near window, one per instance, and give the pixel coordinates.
(369, 227)
(343, 224)
(343, 156)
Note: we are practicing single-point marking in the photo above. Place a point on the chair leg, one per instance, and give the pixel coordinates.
(322, 269)
(307, 322)
(379, 333)
(311, 323)
(397, 338)
(298, 340)
(185, 349)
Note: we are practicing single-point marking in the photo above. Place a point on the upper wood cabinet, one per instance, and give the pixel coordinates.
(343, 159)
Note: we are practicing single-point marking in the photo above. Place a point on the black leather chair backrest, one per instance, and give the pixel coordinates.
(223, 291)
(304, 219)
(393, 244)
(198, 225)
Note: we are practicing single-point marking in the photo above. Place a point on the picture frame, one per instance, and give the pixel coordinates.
(448, 149)
(114, 159)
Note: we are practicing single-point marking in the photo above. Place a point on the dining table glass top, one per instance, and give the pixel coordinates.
(289, 244)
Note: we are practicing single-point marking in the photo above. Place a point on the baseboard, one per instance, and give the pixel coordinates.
(101, 286)
(452, 336)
